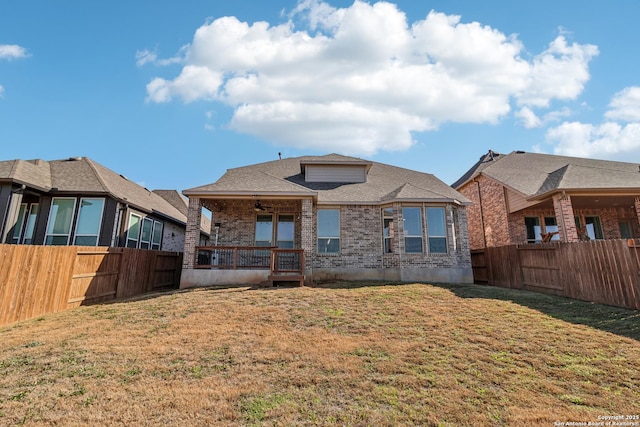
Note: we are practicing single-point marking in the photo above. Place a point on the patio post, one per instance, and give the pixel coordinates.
(192, 233)
(565, 218)
(308, 239)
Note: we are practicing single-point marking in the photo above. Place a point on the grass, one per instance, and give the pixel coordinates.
(338, 354)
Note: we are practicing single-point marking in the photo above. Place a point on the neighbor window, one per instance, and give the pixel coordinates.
(625, 230)
(593, 226)
(31, 224)
(89, 221)
(436, 231)
(328, 231)
(412, 230)
(285, 232)
(388, 230)
(17, 229)
(145, 233)
(551, 226)
(156, 238)
(264, 230)
(133, 233)
(60, 220)
(532, 223)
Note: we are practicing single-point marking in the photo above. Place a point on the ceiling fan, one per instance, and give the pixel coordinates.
(258, 207)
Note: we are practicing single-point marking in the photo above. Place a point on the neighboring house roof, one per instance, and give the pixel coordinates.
(181, 203)
(535, 175)
(385, 183)
(81, 175)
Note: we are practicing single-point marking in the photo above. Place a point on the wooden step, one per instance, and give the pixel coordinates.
(287, 278)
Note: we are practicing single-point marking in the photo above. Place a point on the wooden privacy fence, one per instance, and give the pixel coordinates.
(36, 280)
(601, 271)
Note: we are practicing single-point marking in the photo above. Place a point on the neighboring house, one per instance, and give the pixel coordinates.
(345, 217)
(80, 202)
(529, 197)
(181, 203)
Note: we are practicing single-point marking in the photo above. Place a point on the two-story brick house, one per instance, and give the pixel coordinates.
(521, 198)
(349, 219)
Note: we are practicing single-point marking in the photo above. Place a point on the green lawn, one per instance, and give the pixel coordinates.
(339, 354)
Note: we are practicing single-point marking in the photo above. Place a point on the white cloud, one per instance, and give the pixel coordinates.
(625, 105)
(146, 56)
(12, 51)
(609, 140)
(362, 78)
(530, 120)
(1, 91)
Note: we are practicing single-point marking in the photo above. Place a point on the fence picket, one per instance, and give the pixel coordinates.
(605, 272)
(36, 280)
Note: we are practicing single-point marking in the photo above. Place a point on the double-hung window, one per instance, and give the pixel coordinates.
(60, 221)
(412, 230)
(89, 222)
(437, 230)
(328, 231)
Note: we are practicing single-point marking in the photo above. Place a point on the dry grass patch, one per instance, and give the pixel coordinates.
(343, 354)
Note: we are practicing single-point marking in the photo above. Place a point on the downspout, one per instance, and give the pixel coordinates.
(484, 237)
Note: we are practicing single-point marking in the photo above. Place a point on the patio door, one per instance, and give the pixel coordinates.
(280, 233)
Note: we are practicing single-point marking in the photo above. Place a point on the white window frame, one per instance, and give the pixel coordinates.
(137, 238)
(79, 214)
(145, 244)
(68, 234)
(388, 240)
(293, 236)
(154, 245)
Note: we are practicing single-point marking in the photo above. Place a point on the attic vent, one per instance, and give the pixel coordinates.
(122, 176)
(520, 152)
(74, 159)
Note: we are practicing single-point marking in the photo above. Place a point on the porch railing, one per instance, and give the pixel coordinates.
(278, 261)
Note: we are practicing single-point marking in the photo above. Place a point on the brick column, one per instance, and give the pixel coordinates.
(637, 204)
(307, 234)
(192, 233)
(565, 218)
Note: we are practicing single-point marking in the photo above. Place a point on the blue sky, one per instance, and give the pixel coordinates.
(171, 94)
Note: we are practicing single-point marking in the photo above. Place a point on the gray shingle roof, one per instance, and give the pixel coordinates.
(182, 204)
(284, 177)
(536, 174)
(81, 175)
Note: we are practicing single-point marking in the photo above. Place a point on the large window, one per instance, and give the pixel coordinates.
(156, 239)
(133, 233)
(264, 230)
(328, 231)
(285, 232)
(31, 224)
(388, 230)
(412, 230)
(60, 221)
(17, 229)
(89, 222)
(437, 230)
(145, 233)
